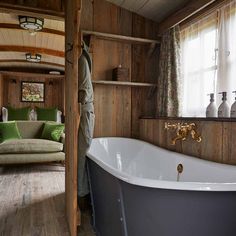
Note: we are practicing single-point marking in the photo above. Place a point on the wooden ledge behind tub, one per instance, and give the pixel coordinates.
(218, 137)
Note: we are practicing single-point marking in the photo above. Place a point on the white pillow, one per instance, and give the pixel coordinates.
(4, 114)
(33, 115)
(59, 114)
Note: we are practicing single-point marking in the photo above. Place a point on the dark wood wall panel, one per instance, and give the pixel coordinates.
(218, 139)
(1, 92)
(54, 92)
(144, 69)
(112, 103)
(53, 5)
(117, 109)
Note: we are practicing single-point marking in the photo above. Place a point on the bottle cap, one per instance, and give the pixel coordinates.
(224, 96)
(212, 96)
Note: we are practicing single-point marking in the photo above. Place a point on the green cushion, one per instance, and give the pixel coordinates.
(18, 113)
(46, 114)
(52, 131)
(9, 130)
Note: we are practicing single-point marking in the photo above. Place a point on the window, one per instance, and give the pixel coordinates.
(208, 60)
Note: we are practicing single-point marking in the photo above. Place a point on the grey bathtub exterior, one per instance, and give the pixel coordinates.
(123, 209)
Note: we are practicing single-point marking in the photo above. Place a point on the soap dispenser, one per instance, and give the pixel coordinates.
(224, 110)
(211, 110)
(233, 108)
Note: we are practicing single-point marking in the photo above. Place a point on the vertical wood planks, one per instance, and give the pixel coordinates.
(12, 91)
(144, 69)
(54, 5)
(87, 15)
(218, 139)
(112, 103)
(1, 92)
(117, 110)
(73, 51)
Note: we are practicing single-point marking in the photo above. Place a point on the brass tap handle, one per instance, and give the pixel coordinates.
(195, 136)
(172, 126)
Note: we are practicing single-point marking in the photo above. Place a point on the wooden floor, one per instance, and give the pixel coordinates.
(32, 201)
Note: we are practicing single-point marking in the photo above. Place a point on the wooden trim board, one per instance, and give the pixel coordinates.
(123, 83)
(31, 11)
(189, 10)
(17, 48)
(118, 37)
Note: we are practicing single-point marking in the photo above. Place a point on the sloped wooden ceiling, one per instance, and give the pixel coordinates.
(15, 42)
(155, 10)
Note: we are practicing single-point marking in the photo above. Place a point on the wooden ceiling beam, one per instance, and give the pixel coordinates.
(185, 12)
(17, 48)
(44, 30)
(30, 74)
(38, 63)
(31, 11)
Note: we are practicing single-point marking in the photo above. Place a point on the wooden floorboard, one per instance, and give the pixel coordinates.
(32, 201)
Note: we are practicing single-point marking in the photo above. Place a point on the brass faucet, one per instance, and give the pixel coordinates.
(182, 131)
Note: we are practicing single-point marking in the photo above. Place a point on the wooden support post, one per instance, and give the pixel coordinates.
(72, 53)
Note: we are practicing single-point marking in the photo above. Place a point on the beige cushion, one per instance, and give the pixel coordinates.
(31, 158)
(30, 129)
(30, 146)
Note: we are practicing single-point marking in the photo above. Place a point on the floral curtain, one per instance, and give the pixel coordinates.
(169, 86)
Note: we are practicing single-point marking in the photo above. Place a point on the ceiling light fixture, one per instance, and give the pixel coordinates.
(33, 57)
(32, 24)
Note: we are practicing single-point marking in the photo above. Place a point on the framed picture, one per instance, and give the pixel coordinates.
(32, 91)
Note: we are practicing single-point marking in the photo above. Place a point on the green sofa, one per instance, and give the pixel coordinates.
(31, 149)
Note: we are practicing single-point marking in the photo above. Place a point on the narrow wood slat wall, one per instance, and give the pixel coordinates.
(117, 109)
(218, 139)
(1, 91)
(54, 93)
(144, 69)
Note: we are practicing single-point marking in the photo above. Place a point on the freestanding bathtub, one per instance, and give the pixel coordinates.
(137, 190)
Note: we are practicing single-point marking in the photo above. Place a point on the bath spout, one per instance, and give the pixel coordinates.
(181, 135)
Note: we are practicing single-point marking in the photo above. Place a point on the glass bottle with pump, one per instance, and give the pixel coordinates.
(211, 110)
(224, 110)
(233, 108)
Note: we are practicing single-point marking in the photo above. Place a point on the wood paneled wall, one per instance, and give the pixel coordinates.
(117, 109)
(54, 91)
(218, 138)
(1, 92)
(48, 5)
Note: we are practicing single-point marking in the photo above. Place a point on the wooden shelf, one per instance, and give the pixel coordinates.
(122, 83)
(118, 37)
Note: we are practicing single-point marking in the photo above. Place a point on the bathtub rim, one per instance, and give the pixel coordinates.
(164, 184)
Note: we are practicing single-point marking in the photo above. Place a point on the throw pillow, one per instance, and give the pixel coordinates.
(47, 114)
(18, 113)
(9, 130)
(52, 131)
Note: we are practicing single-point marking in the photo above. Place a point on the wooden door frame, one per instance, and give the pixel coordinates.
(72, 53)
